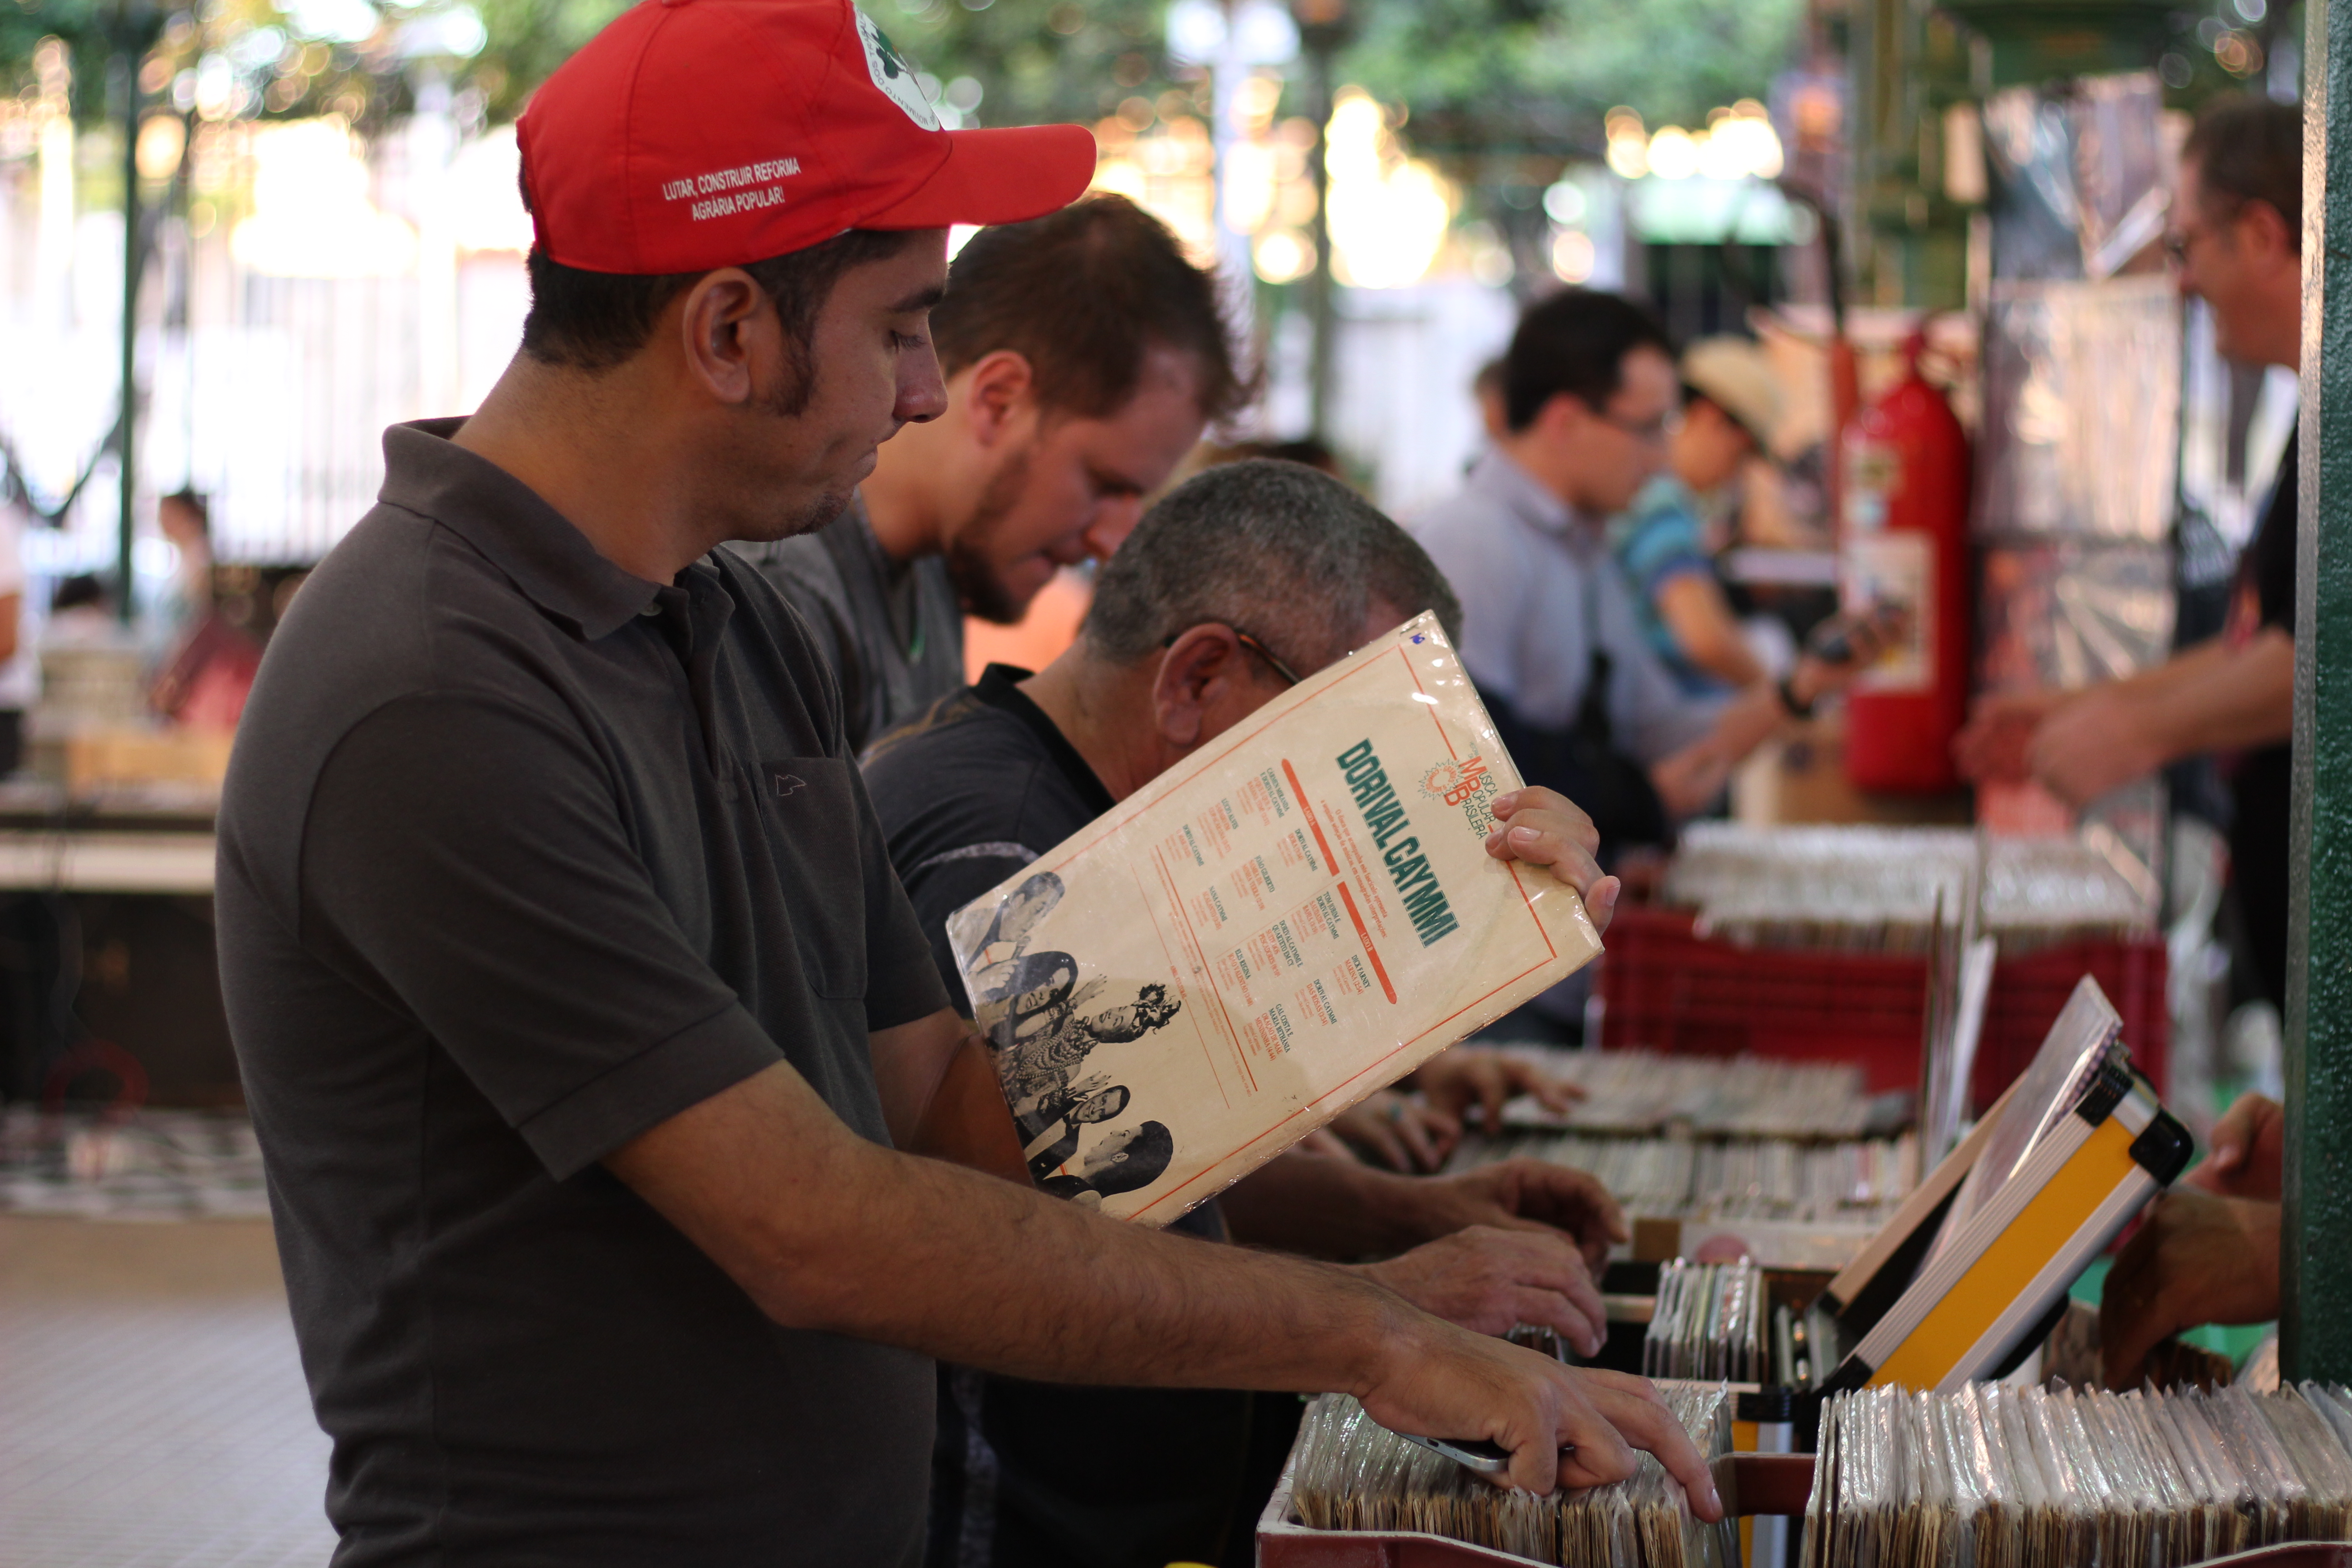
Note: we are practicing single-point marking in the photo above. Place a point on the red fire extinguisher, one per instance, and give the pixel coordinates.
(1902, 543)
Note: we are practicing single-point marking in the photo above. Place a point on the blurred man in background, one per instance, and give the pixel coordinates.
(2237, 230)
(1084, 357)
(1552, 633)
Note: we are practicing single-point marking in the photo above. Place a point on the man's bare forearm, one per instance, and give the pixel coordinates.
(1325, 1206)
(827, 1231)
(2224, 699)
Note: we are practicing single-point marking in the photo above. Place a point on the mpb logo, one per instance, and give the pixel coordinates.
(1458, 783)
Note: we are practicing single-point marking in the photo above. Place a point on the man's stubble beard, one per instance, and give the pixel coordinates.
(789, 399)
(979, 588)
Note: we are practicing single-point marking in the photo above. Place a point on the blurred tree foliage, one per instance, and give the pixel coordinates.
(1475, 72)
(1497, 91)
(1482, 76)
(1033, 59)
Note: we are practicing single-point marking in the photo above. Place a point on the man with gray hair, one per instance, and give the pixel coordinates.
(1238, 584)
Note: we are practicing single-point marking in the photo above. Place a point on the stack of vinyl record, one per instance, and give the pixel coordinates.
(1854, 1183)
(1886, 889)
(1351, 1473)
(1994, 1476)
(1710, 1321)
(1739, 1097)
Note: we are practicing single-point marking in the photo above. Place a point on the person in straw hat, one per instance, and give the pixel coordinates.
(1731, 407)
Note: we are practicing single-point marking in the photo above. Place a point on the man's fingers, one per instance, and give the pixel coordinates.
(1603, 1452)
(1416, 1140)
(1573, 1200)
(1382, 1136)
(1495, 1086)
(1645, 1423)
(1571, 817)
(1546, 839)
(1550, 1310)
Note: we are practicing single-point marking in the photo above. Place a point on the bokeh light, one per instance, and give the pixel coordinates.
(1389, 213)
(1572, 256)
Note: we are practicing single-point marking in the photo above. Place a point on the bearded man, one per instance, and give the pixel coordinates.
(1084, 356)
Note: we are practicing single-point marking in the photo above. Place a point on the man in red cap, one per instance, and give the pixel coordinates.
(586, 1032)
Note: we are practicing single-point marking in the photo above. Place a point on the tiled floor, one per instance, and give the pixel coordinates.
(151, 1409)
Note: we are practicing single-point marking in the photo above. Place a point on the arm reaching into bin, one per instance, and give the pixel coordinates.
(913, 1252)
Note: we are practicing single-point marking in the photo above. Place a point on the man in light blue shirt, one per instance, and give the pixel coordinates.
(1552, 633)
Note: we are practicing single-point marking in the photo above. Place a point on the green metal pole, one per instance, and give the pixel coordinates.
(127, 431)
(2316, 1240)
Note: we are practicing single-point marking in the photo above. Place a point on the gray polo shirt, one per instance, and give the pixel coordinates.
(521, 856)
(893, 633)
(1537, 586)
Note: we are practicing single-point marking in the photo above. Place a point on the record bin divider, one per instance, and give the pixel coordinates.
(1664, 987)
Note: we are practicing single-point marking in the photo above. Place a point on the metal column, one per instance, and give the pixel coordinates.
(2315, 1251)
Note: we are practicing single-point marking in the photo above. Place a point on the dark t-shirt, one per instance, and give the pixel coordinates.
(2263, 781)
(892, 632)
(521, 856)
(1042, 1475)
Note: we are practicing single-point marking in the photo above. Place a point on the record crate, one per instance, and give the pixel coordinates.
(1665, 987)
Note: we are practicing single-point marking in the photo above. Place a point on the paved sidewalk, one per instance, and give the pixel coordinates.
(155, 1411)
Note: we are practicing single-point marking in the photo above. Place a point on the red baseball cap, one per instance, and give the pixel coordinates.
(691, 135)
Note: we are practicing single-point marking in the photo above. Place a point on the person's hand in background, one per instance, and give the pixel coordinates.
(2196, 1259)
(2097, 743)
(1838, 651)
(1688, 781)
(2249, 1151)
(1524, 1195)
(1991, 747)
(1490, 1281)
(1396, 1130)
(1455, 1081)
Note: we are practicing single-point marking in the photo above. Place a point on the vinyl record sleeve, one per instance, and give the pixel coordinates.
(1297, 914)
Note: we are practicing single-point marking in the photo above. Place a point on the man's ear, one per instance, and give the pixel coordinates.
(999, 390)
(2266, 229)
(1199, 671)
(1563, 414)
(730, 335)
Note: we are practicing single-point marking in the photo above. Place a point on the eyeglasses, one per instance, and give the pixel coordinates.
(1289, 675)
(1649, 432)
(2181, 239)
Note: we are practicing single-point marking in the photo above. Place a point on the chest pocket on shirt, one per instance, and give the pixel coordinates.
(812, 816)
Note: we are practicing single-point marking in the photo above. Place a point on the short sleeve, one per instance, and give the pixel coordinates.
(1659, 541)
(904, 980)
(464, 861)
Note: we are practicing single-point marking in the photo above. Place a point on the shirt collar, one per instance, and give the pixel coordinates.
(548, 559)
(999, 688)
(1498, 475)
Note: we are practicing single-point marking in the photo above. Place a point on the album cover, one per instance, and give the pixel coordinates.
(1299, 913)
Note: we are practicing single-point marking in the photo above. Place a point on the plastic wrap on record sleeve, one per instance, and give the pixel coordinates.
(2082, 411)
(1297, 914)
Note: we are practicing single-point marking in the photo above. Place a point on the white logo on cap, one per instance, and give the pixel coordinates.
(894, 75)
